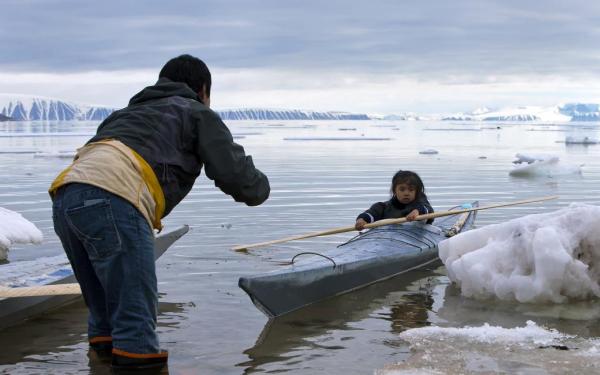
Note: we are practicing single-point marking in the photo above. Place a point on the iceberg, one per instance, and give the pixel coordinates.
(542, 258)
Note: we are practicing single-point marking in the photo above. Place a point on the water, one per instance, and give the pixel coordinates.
(210, 326)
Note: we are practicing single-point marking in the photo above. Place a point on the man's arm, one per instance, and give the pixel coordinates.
(227, 164)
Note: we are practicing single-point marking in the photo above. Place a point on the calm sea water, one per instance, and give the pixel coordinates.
(210, 326)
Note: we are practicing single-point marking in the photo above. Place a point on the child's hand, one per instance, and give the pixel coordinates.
(412, 215)
(360, 224)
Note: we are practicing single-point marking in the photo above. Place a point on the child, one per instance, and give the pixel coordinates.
(408, 200)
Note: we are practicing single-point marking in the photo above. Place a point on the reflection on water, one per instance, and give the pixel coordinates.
(57, 342)
(403, 302)
(214, 328)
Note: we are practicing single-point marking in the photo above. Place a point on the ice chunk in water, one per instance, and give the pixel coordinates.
(550, 257)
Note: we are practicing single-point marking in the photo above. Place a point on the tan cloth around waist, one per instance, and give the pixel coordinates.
(112, 166)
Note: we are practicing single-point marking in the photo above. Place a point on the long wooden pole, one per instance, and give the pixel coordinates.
(42, 290)
(389, 221)
(73, 288)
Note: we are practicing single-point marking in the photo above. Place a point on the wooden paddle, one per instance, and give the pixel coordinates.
(389, 221)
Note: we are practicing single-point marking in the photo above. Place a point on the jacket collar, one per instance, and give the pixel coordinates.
(164, 88)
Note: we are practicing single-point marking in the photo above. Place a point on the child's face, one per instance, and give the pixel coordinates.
(405, 193)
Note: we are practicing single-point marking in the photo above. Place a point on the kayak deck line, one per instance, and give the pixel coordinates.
(313, 253)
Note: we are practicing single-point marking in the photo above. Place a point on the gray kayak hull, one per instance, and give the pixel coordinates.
(373, 256)
(16, 310)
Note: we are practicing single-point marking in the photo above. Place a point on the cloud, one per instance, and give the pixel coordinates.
(276, 88)
(464, 42)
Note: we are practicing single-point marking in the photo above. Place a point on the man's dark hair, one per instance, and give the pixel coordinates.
(188, 69)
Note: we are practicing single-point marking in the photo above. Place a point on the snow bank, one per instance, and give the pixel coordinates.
(549, 257)
(14, 228)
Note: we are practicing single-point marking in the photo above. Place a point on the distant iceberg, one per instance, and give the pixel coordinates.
(517, 114)
(31, 108)
(286, 114)
(581, 111)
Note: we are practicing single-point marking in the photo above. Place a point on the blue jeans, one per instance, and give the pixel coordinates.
(111, 249)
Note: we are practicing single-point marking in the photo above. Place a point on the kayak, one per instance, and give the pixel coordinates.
(52, 271)
(375, 255)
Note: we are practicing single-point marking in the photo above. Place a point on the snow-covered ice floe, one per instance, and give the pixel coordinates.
(14, 228)
(541, 258)
(531, 349)
(529, 165)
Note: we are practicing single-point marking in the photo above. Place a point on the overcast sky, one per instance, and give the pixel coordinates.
(360, 56)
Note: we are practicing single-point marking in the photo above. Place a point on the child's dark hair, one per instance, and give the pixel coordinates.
(409, 178)
(189, 70)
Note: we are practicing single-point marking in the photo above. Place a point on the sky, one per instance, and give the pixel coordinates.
(376, 57)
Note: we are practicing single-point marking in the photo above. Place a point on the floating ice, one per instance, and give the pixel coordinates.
(40, 271)
(492, 350)
(532, 158)
(429, 151)
(541, 165)
(531, 333)
(550, 257)
(14, 228)
(56, 154)
(571, 140)
(336, 139)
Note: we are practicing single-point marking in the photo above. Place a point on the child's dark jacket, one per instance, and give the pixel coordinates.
(395, 209)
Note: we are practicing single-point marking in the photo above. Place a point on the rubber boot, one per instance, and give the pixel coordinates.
(122, 360)
(102, 346)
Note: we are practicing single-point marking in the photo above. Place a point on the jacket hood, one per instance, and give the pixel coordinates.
(164, 88)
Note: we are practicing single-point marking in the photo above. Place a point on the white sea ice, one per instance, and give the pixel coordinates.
(541, 165)
(531, 333)
(550, 257)
(532, 158)
(14, 228)
(487, 349)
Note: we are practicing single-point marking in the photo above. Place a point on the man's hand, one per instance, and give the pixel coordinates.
(360, 224)
(412, 215)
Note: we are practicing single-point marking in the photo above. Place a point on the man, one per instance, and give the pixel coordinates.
(141, 163)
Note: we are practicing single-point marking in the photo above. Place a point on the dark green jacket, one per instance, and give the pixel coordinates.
(176, 134)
